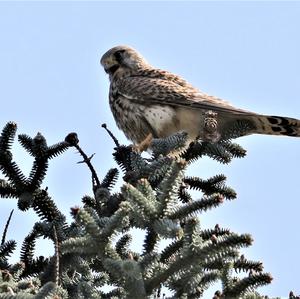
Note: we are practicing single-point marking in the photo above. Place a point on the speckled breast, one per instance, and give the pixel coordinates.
(129, 117)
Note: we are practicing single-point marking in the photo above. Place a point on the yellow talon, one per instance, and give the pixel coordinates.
(144, 145)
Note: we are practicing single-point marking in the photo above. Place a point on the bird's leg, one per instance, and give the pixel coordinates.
(210, 127)
(144, 145)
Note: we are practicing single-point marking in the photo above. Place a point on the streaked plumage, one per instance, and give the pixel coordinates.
(145, 100)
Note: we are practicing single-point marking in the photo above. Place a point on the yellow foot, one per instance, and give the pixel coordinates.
(144, 145)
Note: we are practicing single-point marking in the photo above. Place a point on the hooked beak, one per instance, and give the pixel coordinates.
(112, 69)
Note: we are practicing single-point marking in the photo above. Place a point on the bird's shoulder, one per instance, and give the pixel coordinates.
(155, 83)
(162, 75)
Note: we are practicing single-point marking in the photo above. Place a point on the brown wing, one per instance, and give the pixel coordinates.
(172, 91)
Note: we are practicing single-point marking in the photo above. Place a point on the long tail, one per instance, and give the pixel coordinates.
(276, 125)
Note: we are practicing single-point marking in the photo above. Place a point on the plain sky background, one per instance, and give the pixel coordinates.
(245, 52)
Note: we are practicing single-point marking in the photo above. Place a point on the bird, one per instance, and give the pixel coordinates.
(149, 102)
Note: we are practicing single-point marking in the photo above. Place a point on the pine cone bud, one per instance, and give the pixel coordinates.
(74, 211)
(72, 139)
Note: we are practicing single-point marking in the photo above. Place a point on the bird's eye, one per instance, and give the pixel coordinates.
(119, 55)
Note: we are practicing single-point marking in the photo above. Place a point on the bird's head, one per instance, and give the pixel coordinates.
(122, 58)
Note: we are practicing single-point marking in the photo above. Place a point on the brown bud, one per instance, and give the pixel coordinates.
(75, 210)
(214, 238)
(130, 256)
(72, 139)
(217, 227)
(220, 198)
(6, 275)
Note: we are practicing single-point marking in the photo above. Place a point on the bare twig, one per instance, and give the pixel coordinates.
(73, 140)
(56, 247)
(87, 160)
(6, 228)
(111, 135)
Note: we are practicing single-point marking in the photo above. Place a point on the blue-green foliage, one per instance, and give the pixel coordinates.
(94, 250)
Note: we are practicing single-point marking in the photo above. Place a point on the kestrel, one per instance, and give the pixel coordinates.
(147, 103)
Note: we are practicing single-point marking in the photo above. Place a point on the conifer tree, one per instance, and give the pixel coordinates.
(94, 250)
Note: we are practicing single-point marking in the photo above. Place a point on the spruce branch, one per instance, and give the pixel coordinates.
(168, 188)
(145, 206)
(234, 149)
(130, 275)
(195, 256)
(189, 209)
(183, 195)
(150, 241)
(110, 178)
(222, 151)
(45, 207)
(27, 143)
(122, 155)
(293, 296)
(194, 151)
(216, 231)
(6, 249)
(122, 246)
(12, 171)
(218, 152)
(216, 184)
(8, 190)
(27, 249)
(237, 128)
(167, 228)
(47, 291)
(7, 136)
(117, 222)
(38, 172)
(57, 149)
(79, 245)
(170, 144)
(242, 264)
(84, 218)
(171, 250)
(155, 198)
(241, 286)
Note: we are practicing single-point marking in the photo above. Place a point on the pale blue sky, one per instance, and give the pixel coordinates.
(247, 53)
